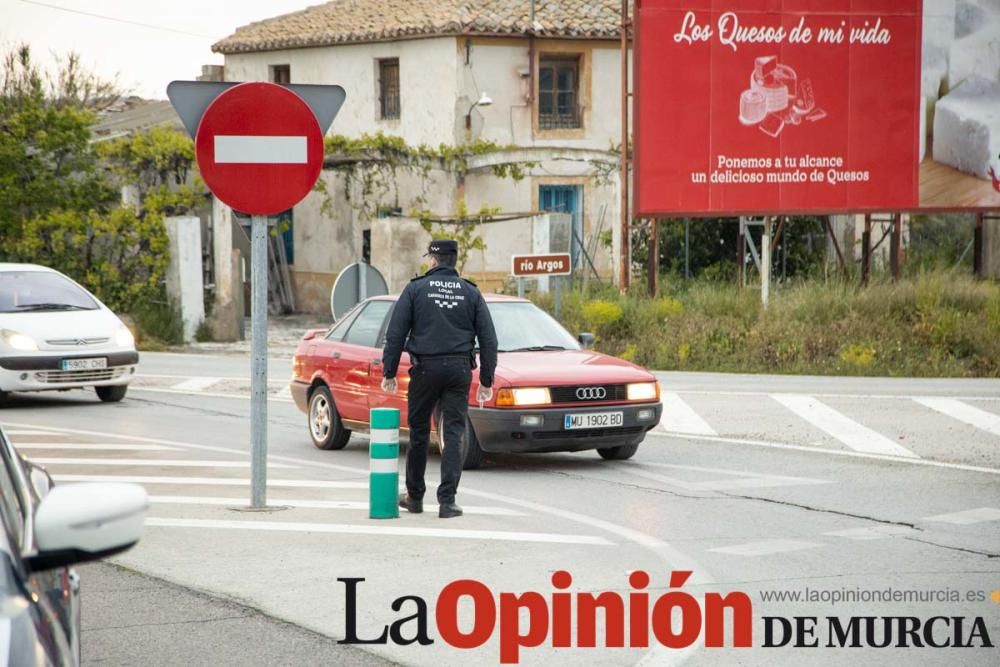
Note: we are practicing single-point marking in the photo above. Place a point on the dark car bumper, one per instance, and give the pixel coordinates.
(300, 394)
(503, 431)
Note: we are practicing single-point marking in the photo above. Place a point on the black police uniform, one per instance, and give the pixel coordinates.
(442, 315)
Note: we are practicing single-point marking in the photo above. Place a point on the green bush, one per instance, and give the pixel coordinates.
(935, 324)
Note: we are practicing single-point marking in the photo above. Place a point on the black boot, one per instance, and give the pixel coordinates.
(449, 510)
(411, 505)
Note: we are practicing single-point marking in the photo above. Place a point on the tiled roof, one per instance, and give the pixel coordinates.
(354, 21)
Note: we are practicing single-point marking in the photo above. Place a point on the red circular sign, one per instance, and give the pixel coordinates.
(259, 148)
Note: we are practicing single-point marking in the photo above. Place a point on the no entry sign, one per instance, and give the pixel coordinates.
(259, 148)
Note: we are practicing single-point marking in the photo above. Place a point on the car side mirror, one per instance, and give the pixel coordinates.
(586, 340)
(312, 333)
(40, 480)
(84, 522)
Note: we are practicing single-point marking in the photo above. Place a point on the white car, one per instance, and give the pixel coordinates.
(55, 335)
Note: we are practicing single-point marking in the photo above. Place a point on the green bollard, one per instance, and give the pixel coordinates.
(383, 478)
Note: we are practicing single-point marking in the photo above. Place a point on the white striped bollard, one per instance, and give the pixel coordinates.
(383, 477)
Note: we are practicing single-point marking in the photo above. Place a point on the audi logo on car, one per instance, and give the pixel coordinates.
(591, 393)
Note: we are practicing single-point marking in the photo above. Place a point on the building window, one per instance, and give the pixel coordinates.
(559, 92)
(388, 88)
(281, 74)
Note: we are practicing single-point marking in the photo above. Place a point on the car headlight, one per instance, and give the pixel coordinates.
(124, 337)
(644, 391)
(19, 341)
(524, 396)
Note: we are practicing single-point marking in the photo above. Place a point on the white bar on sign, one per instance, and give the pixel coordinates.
(243, 149)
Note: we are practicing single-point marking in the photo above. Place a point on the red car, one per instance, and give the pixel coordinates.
(551, 393)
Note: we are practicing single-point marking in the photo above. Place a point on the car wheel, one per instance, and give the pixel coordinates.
(618, 453)
(473, 452)
(325, 427)
(111, 394)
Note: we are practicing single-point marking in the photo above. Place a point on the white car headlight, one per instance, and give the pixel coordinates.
(532, 396)
(19, 341)
(124, 337)
(643, 391)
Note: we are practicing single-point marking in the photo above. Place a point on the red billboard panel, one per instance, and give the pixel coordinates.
(798, 106)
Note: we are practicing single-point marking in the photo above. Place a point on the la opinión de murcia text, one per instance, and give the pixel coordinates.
(731, 31)
(786, 169)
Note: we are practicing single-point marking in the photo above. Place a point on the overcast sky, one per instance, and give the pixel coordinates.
(145, 59)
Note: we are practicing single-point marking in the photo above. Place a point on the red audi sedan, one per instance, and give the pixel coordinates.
(551, 393)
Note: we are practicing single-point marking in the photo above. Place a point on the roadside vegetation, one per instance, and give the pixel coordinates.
(936, 323)
(61, 191)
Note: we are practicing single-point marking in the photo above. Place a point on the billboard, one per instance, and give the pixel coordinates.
(751, 107)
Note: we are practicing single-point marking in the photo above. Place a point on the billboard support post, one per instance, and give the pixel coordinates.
(765, 263)
(653, 281)
(896, 246)
(978, 265)
(741, 257)
(624, 245)
(866, 251)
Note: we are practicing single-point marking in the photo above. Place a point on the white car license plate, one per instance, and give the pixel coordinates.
(84, 364)
(594, 420)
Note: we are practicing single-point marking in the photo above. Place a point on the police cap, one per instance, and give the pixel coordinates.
(443, 247)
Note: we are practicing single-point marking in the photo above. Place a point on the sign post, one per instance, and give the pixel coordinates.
(259, 148)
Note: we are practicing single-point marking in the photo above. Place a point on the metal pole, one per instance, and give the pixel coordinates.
(765, 263)
(866, 251)
(362, 281)
(258, 367)
(558, 286)
(623, 166)
(653, 280)
(978, 252)
(520, 288)
(741, 257)
(687, 248)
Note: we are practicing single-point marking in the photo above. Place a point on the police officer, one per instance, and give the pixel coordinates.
(439, 316)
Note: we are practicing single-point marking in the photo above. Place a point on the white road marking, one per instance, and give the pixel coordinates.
(872, 532)
(766, 547)
(228, 378)
(12, 433)
(381, 530)
(94, 447)
(981, 419)
(679, 417)
(196, 384)
(212, 481)
(318, 504)
(851, 433)
(216, 394)
(968, 517)
(737, 479)
(672, 557)
(830, 452)
(165, 463)
(260, 149)
(284, 394)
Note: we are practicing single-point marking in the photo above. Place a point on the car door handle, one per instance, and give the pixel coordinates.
(336, 355)
(376, 362)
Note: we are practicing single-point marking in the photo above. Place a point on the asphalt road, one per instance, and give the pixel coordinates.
(757, 484)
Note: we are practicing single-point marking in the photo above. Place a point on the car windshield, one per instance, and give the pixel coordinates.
(523, 327)
(33, 291)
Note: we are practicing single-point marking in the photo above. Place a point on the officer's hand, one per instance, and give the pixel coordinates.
(484, 394)
(389, 385)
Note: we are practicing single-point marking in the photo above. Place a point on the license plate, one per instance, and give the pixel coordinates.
(84, 364)
(595, 420)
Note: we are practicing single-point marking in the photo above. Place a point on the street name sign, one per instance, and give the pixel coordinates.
(524, 266)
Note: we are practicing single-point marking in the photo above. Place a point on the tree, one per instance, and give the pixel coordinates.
(46, 161)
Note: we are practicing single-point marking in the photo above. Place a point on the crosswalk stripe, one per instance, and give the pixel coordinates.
(872, 532)
(159, 463)
(86, 446)
(856, 436)
(285, 393)
(679, 417)
(13, 433)
(967, 517)
(766, 547)
(382, 530)
(210, 481)
(981, 419)
(732, 479)
(196, 384)
(318, 504)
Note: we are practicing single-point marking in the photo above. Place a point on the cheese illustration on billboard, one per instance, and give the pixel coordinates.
(776, 98)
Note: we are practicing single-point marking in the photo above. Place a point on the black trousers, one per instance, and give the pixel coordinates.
(441, 382)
